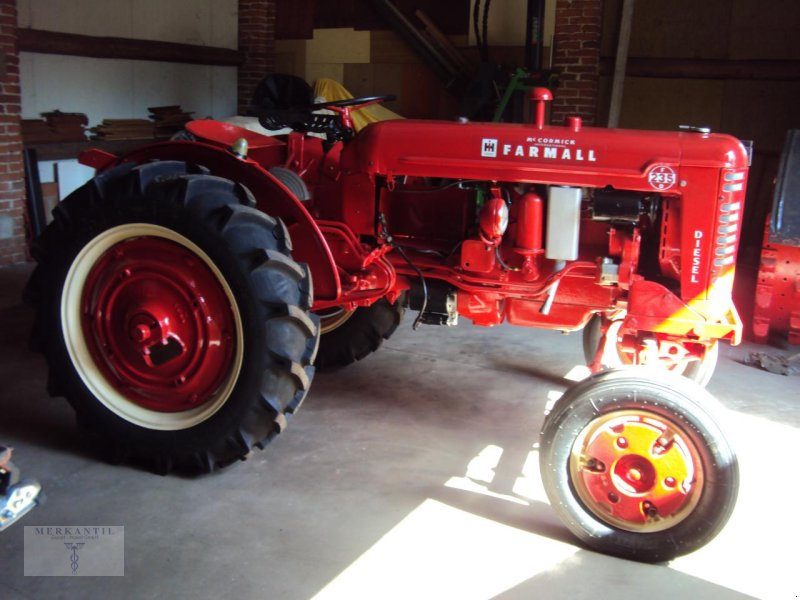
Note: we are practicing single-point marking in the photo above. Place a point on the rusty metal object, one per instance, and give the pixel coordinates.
(777, 305)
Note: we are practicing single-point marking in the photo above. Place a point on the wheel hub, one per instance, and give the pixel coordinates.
(158, 324)
(636, 471)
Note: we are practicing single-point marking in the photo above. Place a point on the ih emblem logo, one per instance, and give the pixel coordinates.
(662, 178)
(489, 148)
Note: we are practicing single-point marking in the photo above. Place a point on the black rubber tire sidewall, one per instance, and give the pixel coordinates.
(267, 386)
(359, 336)
(681, 401)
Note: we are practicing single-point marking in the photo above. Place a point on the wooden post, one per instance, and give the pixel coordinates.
(621, 61)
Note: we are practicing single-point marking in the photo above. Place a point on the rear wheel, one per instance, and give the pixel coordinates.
(695, 361)
(348, 336)
(636, 466)
(172, 316)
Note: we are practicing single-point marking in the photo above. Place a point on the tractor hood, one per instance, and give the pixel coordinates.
(582, 156)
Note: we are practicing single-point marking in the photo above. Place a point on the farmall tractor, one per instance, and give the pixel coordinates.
(185, 295)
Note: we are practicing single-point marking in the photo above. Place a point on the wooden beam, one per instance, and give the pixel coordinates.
(620, 63)
(69, 150)
(700, 68)
(72, 44)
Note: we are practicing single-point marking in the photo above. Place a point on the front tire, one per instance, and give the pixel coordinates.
(172, 316)
(636, 466)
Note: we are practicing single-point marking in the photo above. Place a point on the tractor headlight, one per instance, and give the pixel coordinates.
(494, 218)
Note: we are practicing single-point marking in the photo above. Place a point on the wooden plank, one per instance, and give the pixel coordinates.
(689, 68)
(451, 16)
(294, 19)
(388, 79)
(444, 43)
(359, 79)
(388, 47)
(72, 44)
(49, 199)
(333, 15)
(69, 150)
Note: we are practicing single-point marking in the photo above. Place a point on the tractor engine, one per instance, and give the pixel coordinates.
(549, 225)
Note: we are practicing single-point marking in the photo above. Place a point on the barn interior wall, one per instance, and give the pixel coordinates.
(760, 110)
(357, 47)
(113, 88)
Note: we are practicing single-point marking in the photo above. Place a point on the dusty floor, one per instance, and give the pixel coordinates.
(367, 495)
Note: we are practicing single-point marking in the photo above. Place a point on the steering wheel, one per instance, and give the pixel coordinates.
(347, 102)
(336, 127)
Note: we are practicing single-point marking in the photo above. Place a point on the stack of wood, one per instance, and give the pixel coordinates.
(169, 120)
(37, 131)
(123, 129)
(56, 127)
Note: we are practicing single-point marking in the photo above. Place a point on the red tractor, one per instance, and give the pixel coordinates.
(176, 309)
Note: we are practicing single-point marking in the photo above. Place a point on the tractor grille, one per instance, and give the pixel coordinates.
(729, 216)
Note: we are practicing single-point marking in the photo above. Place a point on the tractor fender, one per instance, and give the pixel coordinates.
(271, 196)
(652, 307)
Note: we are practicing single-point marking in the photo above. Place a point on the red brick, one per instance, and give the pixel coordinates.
(576, 57)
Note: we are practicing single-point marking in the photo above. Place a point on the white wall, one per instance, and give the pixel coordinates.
(106, 88)
(119, 89)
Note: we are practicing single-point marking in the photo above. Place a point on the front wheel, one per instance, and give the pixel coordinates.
(172, 316)
(636, 466)
(694, 361)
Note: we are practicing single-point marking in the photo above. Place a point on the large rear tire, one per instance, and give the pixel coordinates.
(636, 466)
(349, 336)
(172, 316)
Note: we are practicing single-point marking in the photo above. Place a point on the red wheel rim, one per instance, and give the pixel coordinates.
(672, 355)
(158, 324)
(333, 318)
(636, 471)
(151, 326)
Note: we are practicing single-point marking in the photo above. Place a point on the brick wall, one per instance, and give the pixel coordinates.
(257, 44)
(12, 183)
(576, 46)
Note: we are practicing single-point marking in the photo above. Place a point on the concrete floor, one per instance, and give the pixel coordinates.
(375, 491)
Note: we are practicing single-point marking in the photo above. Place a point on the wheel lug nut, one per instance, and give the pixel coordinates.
(622, 442)
(594, 465)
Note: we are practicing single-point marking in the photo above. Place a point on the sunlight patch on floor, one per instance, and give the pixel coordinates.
(481, 472)
(578, 373)
(439, 551)
(767, 452)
